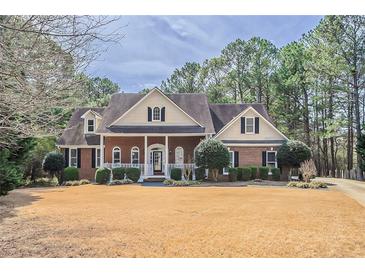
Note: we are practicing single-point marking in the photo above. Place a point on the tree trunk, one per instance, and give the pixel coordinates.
(357, 120)
(332, 141)
(350, 132)
(306, 119)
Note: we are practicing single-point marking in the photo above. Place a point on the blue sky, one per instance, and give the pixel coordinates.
(155, 45)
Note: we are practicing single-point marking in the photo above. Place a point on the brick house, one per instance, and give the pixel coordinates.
(156, 132)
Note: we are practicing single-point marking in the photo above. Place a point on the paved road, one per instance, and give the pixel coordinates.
(352, 188)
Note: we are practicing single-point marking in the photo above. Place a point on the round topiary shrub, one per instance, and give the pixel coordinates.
(53, 163)
(292, 153)
(246, 174)
(71, 174)
(102, 175)
(232, 174)
(133, 174)
(264, 172)
(199, 173)
(176, 174)
(275, 174)
(118, 173)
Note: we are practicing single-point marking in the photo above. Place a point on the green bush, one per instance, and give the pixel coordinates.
(176, 174)
(239, 173)
(253, 172)
(10, 174)
(264, 172)
(275, 173)
(118, 173)
(232, 174)
(72, 183)
(71, 174)
(199, 173)
(314, 185)
(120, 182)
(292, 153)
(133, 173)
(168, 182)
(102, 175)
(292, 184)
(246, 173)
(54, 163)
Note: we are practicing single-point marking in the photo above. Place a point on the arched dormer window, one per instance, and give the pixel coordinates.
(135, 155)
(156, 114)
(116, 155)
(179, 155)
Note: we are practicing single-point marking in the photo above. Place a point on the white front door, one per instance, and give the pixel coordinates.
(157, 161)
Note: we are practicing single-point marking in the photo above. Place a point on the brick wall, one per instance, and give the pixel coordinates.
(251, 155)
(125, 144)
(188, 143)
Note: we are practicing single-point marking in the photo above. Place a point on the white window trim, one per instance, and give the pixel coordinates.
(97, 155)
(253, 125)
(87, 125)
(267, 157)
(183, 156)
(225, 170)
(153, 114)
(132, 153)
(69, 160)
(120, 155)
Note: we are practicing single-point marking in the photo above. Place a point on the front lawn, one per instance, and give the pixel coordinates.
(136, 221)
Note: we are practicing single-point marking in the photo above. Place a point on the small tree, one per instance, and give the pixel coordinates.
(54, 163)
(293, 153)
(308, 169)
(212, 154)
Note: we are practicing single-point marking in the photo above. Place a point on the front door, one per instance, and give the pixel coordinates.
(157, 161)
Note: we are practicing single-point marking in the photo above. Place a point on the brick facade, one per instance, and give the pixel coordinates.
(251, 155)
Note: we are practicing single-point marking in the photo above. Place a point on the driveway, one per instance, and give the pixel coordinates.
(352, 188)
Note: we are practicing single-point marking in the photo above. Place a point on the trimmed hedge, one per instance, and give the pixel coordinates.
(253, 172)
(102, 175)
(118, 173)
(71, 174)
(199, 173)
(232, 174)
(264, 172)
(246, 174)
(133, 173)
(239, 173)
(176, 174)
(275, 174)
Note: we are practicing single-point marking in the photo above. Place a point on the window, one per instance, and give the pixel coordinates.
(156, 114)
(116, 155)
(73, 157)
(135, 155)
(90, 125)
(231, 162)
(179, 155)
(98, 157)
(250, 123)
(271, 159)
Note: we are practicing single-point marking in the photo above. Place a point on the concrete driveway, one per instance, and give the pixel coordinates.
(352, 188)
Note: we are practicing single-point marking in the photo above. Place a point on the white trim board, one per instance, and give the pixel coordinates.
(155, 89)
(97, 115)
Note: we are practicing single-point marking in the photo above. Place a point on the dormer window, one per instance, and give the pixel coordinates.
(156, 114)
(250, 125)
(90, 126)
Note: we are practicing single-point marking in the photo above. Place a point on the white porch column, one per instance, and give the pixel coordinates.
(145, 156)
(166, 156)
(101, 150)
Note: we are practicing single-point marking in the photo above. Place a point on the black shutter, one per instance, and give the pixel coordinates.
(149, 114)
(236, 159)
(78, 157)
(66, 156)
(243, 124)
(163, 114)
(93, 157)
(264, 158)
(257, 125)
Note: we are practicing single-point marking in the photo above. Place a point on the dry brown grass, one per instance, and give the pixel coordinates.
(135, 221)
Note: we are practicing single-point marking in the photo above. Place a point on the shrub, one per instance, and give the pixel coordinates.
(303, 185)
(308, 170)
(72, 183)
(53, 163)
(120, 182)
(10, 174)
(168, 182)
(133, 173)
(239, 173)
(263, 172)
(292, 184)
(42, 182)
(171, 182)
(102, 175)
(253, 172)
(246, 173)
(212, 154)
(176, 174)
(199, 173)
(292, 153)
(118, 173)
(84, 182)
(318, 185)
(314, 185)
(232, 174)
(275, 173)
(71, 174)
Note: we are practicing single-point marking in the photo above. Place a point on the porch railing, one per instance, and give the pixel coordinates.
(188, 170)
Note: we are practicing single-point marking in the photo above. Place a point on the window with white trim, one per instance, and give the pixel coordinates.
(73, 157)
(271, 159)
(179, 155)
(116, 155)
(250, 125)
(156, 115)
(135, 155)
(97, 156)
(90, 125)
(231, 162)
